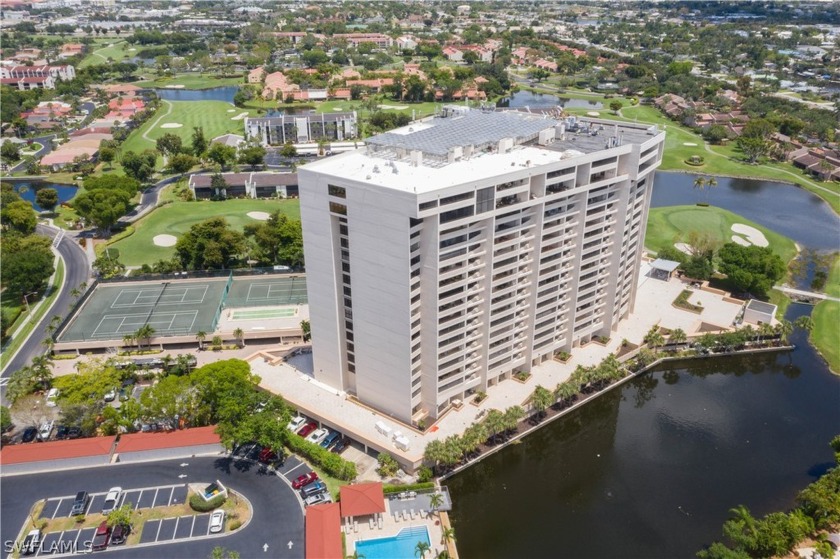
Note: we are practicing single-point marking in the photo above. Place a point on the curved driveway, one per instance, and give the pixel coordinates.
(76, 270)
(277, 519)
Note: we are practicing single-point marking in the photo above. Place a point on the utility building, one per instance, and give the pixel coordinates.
(449, 254)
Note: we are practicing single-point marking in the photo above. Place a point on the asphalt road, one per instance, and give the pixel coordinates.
(148, 200)
(277, 519)
(76, 270)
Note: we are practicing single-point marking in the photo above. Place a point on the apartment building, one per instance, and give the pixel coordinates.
(277, 130)
(456, 251)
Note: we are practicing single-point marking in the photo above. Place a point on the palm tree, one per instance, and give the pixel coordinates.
(541, 399)
(201, 335)
(783, 329)
(512, 416)
(743, 516)
(765, 329)
(421, 549)
(41, 366)
(435, 502)
(654, 338)
(805, 323)
(678, 336)
(75, 293)
(128, 340)
(356, 555)
(434, 453)
(145, 332)
(495, 423)
(447, 535)
(239, 334)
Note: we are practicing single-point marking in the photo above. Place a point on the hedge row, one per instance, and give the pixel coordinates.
(387, 488)
(332, 463)
(198, 504)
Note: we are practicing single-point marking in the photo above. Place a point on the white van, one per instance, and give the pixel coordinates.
(52, 396)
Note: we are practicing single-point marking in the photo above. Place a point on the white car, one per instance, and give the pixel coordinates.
(45, 430)
(112, 499)
(111, 395)
(52, 395)
(217, 521)
(296, 423)
(31, 543)
(318, 435)
(318, 499)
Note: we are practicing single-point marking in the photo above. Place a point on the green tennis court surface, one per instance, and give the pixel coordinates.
(266, 291)
(171, 308)
(265, 313)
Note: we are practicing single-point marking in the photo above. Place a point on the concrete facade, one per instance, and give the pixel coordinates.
(459, 250)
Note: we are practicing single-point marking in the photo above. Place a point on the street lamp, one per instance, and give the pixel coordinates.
(25, 300)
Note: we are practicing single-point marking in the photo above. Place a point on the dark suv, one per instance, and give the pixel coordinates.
(80, 503)
(120, 533)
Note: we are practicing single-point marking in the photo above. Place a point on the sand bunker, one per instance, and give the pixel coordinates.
(240, 116)
(738, 240)
(174, 86)
(683, 247)
(165, 240)
(262, 216)
(593, 113)
(753, 235)
(172, 125)
(231, 110)
(689, 144)
(394, 107)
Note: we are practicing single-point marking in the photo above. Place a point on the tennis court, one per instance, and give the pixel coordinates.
(177, 307)
(266, 292)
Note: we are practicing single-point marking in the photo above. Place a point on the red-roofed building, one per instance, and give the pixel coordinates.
(362, 499)
(323, 532)
(76, 453)
(156, 446)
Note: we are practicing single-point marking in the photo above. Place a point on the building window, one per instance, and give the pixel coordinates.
(484, 200)
(460, 213)
(337, 191)
(340, 209)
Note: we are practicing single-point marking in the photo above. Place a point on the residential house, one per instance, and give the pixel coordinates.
(71, 49)
(546, 65)
(356, 39)
(256, 75)
(252, 185)
(453, 54)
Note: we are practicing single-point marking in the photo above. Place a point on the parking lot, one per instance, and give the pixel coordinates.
(143, 498)
(176, 528)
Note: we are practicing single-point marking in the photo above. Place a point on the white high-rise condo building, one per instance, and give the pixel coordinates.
(447, 255)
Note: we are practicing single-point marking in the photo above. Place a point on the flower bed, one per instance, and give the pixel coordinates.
(681, 302)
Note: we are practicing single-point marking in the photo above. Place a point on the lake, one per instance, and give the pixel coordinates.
(215, 94)
(652, 468)
(525, 98)
(784, 208)
(28, 189)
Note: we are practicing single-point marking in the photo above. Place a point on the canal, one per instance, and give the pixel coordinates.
(651, 469)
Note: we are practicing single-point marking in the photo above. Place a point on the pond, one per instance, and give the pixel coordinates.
(214, 94)
(784, 208)
(28, 190)
(524, 98)
(652, 468)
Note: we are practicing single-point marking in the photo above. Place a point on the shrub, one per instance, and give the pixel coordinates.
(424, 474)
(391, 488)
(387, 465)
(332, 463)
(235, 525)
(198, 504)
(682, 302)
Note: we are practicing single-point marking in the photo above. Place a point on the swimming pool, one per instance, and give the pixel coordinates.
(401, 546)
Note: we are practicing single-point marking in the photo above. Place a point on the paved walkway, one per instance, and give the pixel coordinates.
(804, 293)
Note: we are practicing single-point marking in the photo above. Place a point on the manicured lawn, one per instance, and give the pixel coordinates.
(826, 315)
(177, 217)
(420, 109)
(113, 49)
(214, 116)
(190, 81)
(672, 224)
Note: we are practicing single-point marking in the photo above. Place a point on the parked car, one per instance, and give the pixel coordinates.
(120, 533)
(318, 435)
(45, 430)
(217, 521)
(305, 479)
(52, 396)
(74, 432)
(330, 439)
(101, 537)
(31, 542)
(343, 443)
(111, 395)
(296, 423)
(111, 499)
(317, 499)
(313, 489)
(308, 428)
(269, 456)
(80, 503)
(61, 432)
(29, 434)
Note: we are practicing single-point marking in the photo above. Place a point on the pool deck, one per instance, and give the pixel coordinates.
(294, 378)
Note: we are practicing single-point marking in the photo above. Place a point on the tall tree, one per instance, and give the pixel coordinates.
(199, 142)
(47, 198)
(209, 244)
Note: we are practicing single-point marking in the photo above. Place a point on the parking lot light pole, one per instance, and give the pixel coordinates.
(26, 300)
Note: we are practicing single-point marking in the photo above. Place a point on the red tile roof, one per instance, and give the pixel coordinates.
(323, 532)
(56, 450)
(362, 499)
(138, 442)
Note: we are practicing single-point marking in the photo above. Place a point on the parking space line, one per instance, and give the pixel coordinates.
(58, 506)
(192, 526)
(76, 541)
(139, 498)
(160, 523)
(175, 532)
(169, 502)
(292, 470)
(154, 500)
